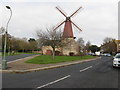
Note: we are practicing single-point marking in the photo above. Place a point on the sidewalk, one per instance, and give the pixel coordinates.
(19, 66)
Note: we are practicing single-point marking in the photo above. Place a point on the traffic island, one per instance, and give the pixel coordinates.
(20, 66)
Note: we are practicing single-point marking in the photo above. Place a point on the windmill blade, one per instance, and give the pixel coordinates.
(76, 11)
(76, 26)
(59, 25)
(59, 9)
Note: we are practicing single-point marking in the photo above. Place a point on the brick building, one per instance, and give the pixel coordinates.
(72, 48)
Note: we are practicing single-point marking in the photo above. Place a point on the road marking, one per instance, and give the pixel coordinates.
(54, 82)
(86, 68)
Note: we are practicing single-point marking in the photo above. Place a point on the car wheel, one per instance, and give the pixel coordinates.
(114, 67)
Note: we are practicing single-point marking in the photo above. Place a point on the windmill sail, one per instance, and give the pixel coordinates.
(68, 32)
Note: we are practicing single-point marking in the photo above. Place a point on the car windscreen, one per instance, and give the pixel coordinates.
(117, 56)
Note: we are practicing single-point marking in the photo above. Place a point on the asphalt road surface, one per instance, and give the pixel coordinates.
(92, 74)
(15, 57)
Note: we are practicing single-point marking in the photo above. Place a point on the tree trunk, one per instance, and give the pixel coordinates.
(53, 53)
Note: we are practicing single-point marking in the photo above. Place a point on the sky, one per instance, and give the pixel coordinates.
(97, 18)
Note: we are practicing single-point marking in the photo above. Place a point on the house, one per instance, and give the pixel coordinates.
(72, 48)
(111, 47)
(118, 45)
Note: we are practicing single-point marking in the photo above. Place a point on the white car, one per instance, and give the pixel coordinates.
(116, 60)
(107, 54)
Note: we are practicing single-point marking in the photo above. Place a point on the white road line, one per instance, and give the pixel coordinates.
(54, 82)
(85, 68)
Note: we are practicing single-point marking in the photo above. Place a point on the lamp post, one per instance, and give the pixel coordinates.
(4, 63)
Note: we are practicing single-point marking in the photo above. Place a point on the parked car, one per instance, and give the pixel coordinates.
(97, 53)
(116, 60)
(93, 54)
(107, 54)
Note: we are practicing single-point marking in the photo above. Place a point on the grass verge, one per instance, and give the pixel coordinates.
(44, 59)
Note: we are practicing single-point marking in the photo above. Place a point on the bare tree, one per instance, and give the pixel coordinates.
(81, 42)
(107, 40)
(87, 46)
(2, 30)
(0, 42)
(51, 38)
(109, 47)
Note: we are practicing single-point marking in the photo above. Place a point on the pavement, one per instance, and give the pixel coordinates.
(19, 65)
(91, 75)
(14, 57)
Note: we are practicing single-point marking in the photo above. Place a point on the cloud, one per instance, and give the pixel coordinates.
(97, 20)
(60, 1)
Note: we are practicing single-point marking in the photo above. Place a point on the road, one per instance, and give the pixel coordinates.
(93, 74)
(19, 56)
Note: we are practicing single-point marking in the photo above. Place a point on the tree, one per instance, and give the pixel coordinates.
(80, 41)
(2, 30)
(23, 45)
(109, 47)
(50, 38)
(20, 45)
(107, 40)
(14, 44)
(94, 48)
(8, 42)
(0, 42)
(87, 46)
(33, 44)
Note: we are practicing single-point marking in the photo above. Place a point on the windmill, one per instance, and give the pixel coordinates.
(68, 32)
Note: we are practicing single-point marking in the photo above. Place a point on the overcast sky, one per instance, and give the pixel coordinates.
(98, 18)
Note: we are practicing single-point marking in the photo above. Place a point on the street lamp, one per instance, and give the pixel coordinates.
(4, 63)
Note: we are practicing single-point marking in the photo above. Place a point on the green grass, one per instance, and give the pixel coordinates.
(44, 59)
